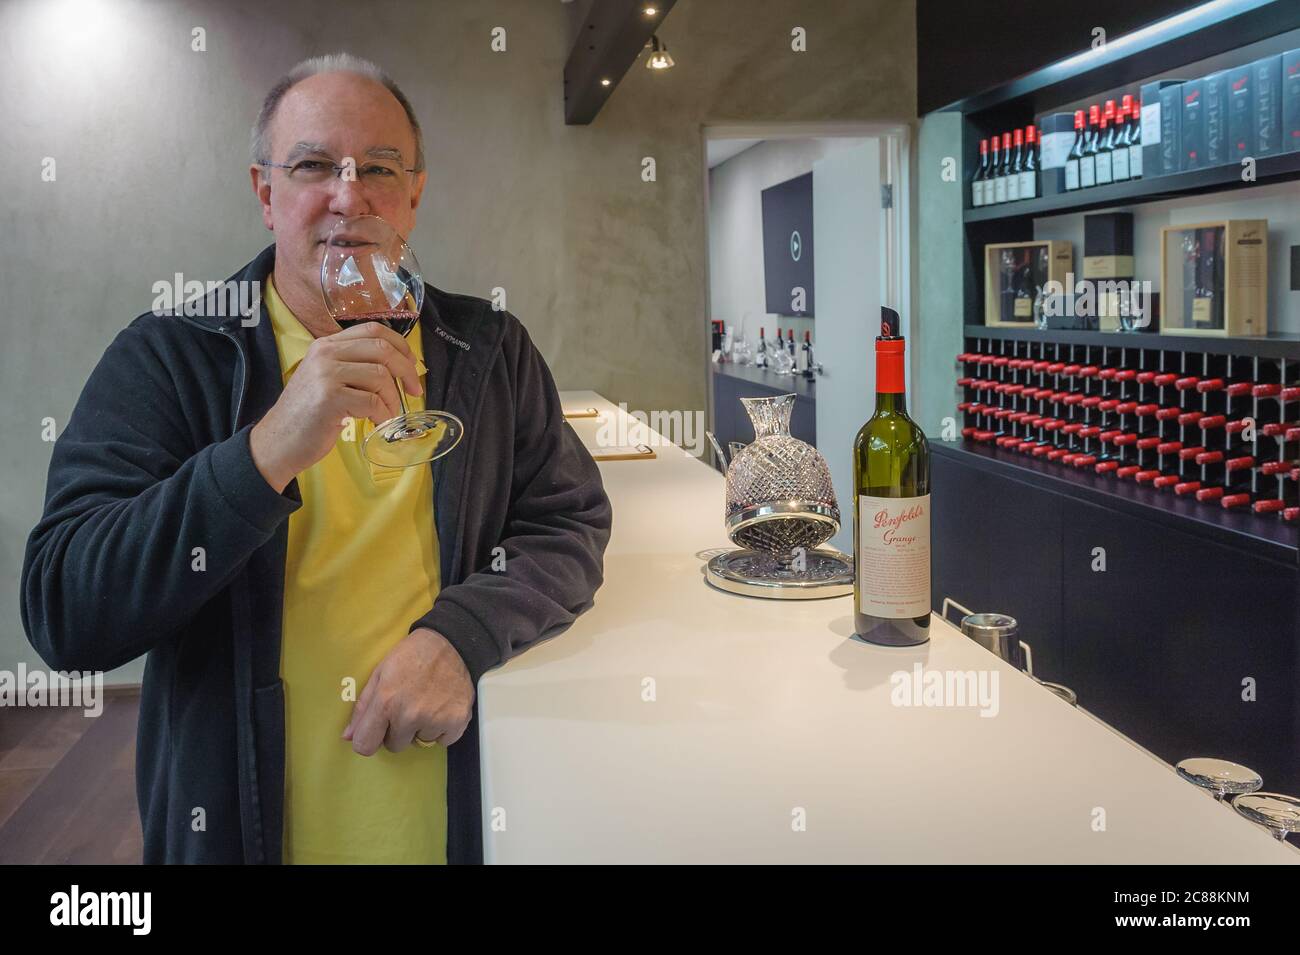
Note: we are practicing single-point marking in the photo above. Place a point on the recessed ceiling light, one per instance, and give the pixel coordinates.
(605, 81)
(650, 11)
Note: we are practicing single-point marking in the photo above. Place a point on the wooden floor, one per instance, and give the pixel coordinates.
(67, 784)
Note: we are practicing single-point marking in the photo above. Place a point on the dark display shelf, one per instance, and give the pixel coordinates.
(1268, 169)
(1267, 538)
(786, 384)
(1278, 345)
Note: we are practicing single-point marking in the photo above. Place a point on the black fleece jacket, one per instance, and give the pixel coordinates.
(155, 462)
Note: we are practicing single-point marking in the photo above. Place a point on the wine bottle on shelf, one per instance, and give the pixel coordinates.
(1105, 143)
(1029, 164)
(977, 181)
(1088, 161)
(1014, 166)
(1075, 154)
(891, 514)
(760, 356)
(1134, 136)
(1119, 153)
(801, 364)
(790, 346)
(999, 170)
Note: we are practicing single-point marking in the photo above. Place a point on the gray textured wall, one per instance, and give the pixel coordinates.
(606, 271)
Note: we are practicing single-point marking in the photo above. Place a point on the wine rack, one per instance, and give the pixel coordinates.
(1223, 429)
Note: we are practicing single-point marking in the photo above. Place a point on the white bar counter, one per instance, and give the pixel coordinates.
(767, 714)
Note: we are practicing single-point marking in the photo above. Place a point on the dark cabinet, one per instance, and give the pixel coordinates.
(1160, 631)
(731, 423)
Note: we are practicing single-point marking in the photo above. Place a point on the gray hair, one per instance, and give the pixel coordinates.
(260, 148)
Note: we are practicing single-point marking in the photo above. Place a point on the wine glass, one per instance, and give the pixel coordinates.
(1219, 776)
(370, 274)
(1278, 813)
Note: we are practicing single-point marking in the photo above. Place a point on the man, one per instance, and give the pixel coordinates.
(308, 617)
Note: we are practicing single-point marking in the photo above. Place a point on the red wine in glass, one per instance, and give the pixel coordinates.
(399, 320)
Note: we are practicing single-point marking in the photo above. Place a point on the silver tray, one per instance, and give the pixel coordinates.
(828, 573)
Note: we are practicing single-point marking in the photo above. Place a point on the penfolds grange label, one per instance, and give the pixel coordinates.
(893, 559)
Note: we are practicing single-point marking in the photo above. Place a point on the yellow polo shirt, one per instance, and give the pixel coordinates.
(362, 564)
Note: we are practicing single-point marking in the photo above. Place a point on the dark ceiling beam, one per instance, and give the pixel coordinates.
(609, 41)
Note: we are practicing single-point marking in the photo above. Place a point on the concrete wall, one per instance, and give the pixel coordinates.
(606, 271)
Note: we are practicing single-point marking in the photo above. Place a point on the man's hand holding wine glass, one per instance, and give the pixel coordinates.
(348, 374)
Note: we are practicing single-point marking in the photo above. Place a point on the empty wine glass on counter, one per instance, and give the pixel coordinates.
(1219, 776)
(1277, 813)
(742, 350)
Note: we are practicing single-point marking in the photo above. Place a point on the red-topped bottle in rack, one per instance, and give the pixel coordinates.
(1075, 154)
(1029, 164)
(1119, 151)
(980, 177)
(1088, 161)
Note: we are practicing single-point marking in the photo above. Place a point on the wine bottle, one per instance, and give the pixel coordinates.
(1075, 154)
(1119, 153)
(999, 171)
(760, 356)
(1105, 143)
(1029, 164)
(805, 352)
(977, 181)
(1134, 136)
(1087, 162)
(1014, 166)
(891, 515)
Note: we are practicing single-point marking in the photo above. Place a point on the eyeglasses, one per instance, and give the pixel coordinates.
(383, 175)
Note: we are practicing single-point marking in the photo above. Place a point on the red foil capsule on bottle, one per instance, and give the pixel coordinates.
(1000, 361)
(1056, 454)
(1124, 439)
(1291, 434)
(1166, 480)
(1209, 384)
(1290, 394)
(1070, 370)
(1164, 414)
(1238, 388)
(1144, 443)
(1089, 432)
(1235, 427)
(1234, 500)
(1145, 377)
(1055, 367)
(1187, 487)
(1072, 428)
(1142, 477)
(1165, 379)
(1108, 374)
(1125, 374)
(1083, 460)
(1041, 450)
(1104, 466)
(1266, 391)
(983, 435)
(1110, 404)
(1169, 447)
(1088, 371)
(1275, 467)
(1239, 464)
(1127, 471)
(1269, 506)
(965, 382)
(1069, 458)
(1073, 399)
(1091, 402)
(1107, 436)
(1040, 366)
(1209, 494)
(1183, 384)
(1190, 417)
(1290, 513)
(1186, 454)
(1126, 407)
(1209, 457)
(1212, 421)
(1143, 411)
